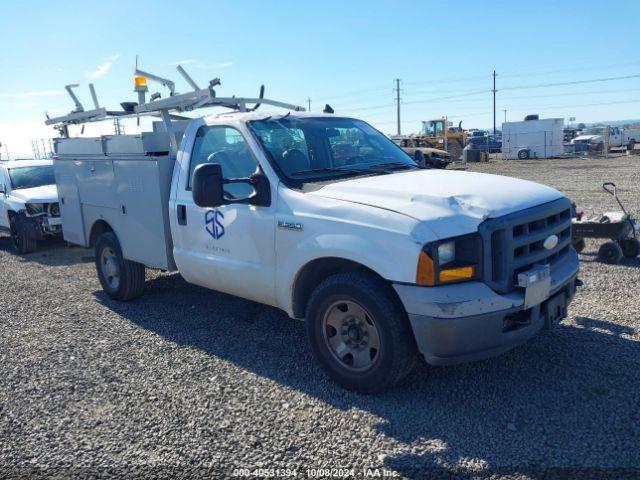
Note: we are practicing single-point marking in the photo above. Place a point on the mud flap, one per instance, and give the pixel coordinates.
(555, 309)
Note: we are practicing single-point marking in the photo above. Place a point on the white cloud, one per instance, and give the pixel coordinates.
(187, 61)
(41, 93)
(214, 65)
(18, 104)
(198, 64)
(103, 68)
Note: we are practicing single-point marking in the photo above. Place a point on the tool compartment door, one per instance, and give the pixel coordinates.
(69, 198)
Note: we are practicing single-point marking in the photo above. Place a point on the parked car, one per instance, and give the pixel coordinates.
(422, 153)
(29, 208)
(486, 143)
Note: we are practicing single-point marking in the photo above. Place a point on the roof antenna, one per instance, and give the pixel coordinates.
(327, 109)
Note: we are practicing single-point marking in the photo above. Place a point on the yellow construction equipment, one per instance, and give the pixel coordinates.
(439, 134)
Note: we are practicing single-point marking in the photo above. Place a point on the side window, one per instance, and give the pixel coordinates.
(227, 147)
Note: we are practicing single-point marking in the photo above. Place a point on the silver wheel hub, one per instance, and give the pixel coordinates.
(351, 335)
(110, 268)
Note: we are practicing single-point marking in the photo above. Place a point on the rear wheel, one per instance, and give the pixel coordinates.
(631, 145)
(630, 247)
(359, 332)
(23, 242)
(610, 252)
(121, 279)
(579, 244)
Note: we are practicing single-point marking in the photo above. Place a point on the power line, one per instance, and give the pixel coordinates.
(576, 82)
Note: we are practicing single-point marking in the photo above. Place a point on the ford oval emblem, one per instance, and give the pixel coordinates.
(550, 242)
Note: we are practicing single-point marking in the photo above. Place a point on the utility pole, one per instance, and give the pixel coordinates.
(494, 102)
(398, 102)
(309, 102)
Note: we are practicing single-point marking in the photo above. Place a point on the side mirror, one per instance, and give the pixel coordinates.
(208, 185)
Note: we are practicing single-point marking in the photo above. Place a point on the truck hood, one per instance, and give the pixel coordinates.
(43, 194)
(447, 203)
(588, 138)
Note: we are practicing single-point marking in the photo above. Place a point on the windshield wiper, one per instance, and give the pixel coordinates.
(392, 165)
(326, 170)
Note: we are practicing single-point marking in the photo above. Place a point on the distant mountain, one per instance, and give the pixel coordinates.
(618, 123)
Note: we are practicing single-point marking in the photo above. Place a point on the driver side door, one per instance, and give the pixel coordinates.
(230, 248)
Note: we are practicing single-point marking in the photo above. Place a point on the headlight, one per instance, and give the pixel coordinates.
(54, 209)
(34, 208)
(446, 253)
(453, 260)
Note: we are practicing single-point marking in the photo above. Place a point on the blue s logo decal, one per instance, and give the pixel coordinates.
(213, 224)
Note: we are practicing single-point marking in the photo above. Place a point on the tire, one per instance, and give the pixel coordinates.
(22, 241)
(631, 145)
(630, 247)
(523, 154)
(579, 244)
(121, 279)
(610, 252)
(376, 313)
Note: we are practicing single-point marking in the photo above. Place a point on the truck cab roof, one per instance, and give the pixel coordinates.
(262, 115)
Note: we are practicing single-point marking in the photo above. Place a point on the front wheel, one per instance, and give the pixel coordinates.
(579, 244)
(359, 332)
(121, 279)
(22, 240)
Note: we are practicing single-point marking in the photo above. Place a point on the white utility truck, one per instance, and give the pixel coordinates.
(326, 218)
(29, 208)
(595, 137)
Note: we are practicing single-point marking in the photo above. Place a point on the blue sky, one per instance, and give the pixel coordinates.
(345, 53)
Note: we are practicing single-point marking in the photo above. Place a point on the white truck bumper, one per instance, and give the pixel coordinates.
(469, 321)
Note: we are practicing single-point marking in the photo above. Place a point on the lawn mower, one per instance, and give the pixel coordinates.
(618, 227)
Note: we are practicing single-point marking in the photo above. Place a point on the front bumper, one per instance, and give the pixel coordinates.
(469, 321)
(40, 226)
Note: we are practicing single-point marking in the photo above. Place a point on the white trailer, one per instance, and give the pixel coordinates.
(538, 138)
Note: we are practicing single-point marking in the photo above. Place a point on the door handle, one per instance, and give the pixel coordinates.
(182, 214)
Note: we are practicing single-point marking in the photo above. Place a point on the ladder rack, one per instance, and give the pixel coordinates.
(161, 107)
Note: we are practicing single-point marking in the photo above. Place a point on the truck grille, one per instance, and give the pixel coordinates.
(514, 243)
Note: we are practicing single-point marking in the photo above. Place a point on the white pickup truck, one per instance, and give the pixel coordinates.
(29, 208)
(327, 219)
(595, 137)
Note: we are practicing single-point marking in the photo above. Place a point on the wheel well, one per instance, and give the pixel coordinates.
(313, 273)
(98, 229)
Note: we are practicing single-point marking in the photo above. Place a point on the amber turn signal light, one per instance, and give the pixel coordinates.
(426, 274)
(456, 274)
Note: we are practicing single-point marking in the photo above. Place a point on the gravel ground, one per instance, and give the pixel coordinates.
(190, 382)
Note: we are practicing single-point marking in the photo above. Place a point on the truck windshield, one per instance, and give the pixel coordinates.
(310, 149)
(29, 177)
